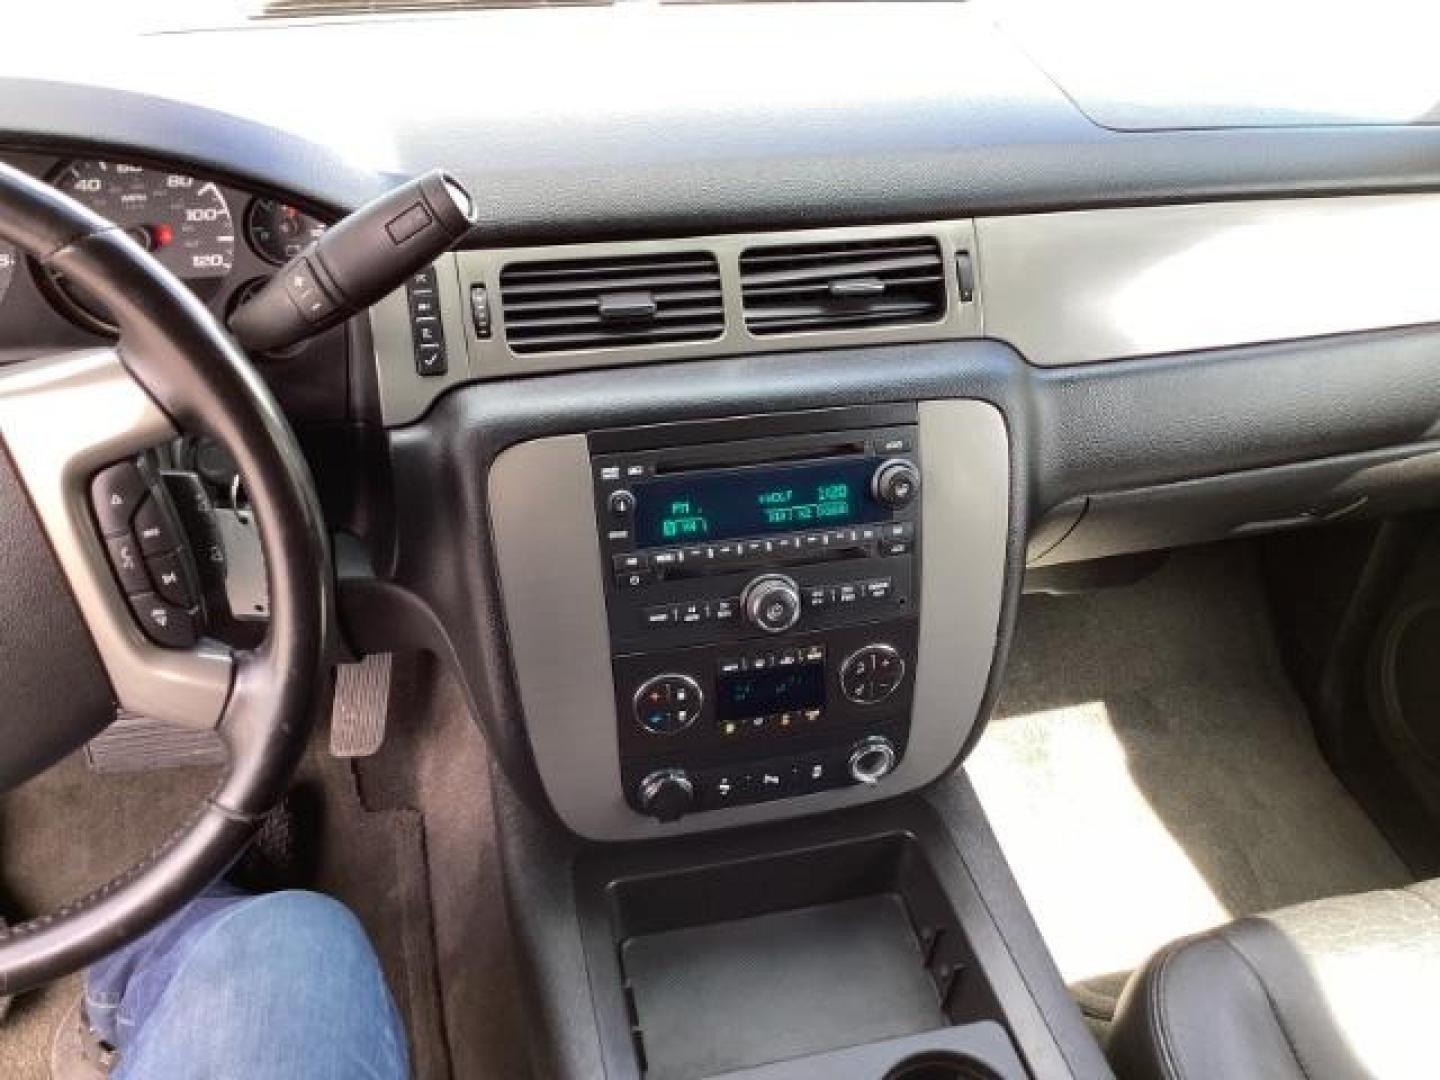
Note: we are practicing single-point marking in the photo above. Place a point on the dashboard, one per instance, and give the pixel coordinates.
(1085, 341)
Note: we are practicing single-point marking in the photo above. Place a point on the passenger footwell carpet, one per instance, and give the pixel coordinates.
(1150, 772)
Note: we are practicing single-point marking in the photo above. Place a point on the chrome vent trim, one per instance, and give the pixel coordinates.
(803, 288)
(605, 303)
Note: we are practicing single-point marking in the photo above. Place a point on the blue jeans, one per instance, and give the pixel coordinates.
(283, 986)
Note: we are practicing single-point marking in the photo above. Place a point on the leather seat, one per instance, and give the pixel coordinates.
(1347, 987)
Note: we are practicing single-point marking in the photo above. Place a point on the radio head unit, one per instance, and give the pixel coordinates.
(762, 597)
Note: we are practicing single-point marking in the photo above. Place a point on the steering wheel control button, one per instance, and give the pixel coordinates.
(171, 581)
(116, 493)
(128, 563)
(154, 529)
(668, 704)
(872, 674)
(163, 622)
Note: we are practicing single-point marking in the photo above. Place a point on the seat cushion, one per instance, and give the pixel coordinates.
(1346, 987)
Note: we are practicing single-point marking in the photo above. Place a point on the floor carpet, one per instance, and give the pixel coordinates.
(1150, 772)
(406, 841)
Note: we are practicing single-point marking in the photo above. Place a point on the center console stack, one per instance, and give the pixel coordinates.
(722, 622)
(763, 603)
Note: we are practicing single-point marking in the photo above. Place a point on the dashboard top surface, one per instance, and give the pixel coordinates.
(829, 113)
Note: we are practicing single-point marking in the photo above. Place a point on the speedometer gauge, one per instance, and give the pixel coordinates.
(7, 266)
(184, 222)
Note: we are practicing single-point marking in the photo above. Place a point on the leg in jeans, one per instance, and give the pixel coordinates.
(283, 986)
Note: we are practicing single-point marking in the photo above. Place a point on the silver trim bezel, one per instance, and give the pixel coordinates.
(62, 419)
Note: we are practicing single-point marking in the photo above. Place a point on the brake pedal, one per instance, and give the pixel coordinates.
(362, 700)
(136, 743)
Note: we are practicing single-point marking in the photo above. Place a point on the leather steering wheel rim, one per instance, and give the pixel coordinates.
(180, 356)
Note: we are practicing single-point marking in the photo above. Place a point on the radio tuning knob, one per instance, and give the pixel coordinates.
(771, 603)
(895, 483)
(667, 794)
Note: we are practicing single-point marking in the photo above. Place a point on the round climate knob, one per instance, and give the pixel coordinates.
(668, 704)
(870, 675)
(771, 602)
(667, 794)
(895, 483)
(872, 759)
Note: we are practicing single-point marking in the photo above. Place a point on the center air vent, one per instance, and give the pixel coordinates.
(842, 286)
(602, 303)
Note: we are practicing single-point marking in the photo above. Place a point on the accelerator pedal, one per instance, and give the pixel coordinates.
(362, 700)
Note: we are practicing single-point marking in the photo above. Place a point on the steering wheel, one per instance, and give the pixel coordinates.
(70, 647)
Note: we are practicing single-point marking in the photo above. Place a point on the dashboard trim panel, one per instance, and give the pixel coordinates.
(406, 395)
(1089, 286)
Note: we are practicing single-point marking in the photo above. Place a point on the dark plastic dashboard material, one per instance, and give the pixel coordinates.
(952, 119)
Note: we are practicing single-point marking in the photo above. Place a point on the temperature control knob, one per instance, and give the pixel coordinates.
(895, 483)
(872, 674)
(772, 603)
(667, 794)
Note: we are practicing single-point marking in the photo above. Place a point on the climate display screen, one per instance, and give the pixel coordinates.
(776, 690)
(753, 502)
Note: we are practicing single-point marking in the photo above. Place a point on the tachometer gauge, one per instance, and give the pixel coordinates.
(7, 266)
(181, 220)
(278, 232)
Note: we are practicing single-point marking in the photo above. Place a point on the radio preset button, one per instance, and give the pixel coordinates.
(633, 579)
(660, 615)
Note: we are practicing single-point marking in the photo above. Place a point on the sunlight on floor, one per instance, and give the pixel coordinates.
(1139, 885)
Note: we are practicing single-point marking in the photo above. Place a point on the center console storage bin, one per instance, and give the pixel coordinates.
(837, 959)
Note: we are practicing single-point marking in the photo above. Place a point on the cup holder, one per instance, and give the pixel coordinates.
(941, 1066)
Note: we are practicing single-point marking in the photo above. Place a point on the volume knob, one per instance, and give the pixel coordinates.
(772, 603)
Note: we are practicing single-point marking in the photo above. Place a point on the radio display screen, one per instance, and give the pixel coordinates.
(753, 502)
(774, 690)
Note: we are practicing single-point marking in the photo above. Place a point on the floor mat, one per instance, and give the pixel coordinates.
(61, 834)
(70, 829)
(1150, 772)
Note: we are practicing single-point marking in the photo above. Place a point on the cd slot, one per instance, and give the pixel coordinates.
(678, 463)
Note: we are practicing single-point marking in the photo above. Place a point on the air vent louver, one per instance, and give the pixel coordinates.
(603, 303)
(842, 286)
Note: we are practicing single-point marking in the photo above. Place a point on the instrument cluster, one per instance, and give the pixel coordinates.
(220, 241)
